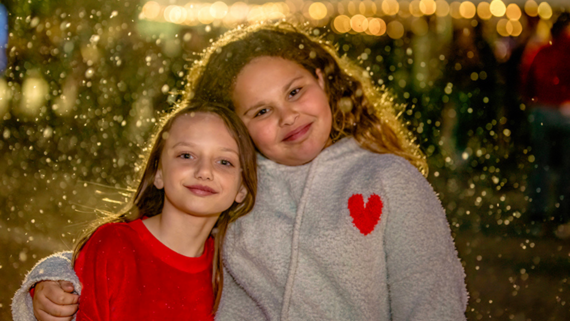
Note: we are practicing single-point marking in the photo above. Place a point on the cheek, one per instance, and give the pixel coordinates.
(261, 134)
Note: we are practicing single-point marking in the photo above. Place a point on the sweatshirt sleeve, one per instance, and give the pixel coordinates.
(236, 304)
(425, 277)
(56, 267)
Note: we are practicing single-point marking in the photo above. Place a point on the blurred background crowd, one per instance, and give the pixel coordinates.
(485, 86)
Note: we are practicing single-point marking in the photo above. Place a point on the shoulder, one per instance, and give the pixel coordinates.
(386, 167)
(112, 236)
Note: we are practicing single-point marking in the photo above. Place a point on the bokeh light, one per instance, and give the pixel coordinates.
(395, 29)
(151, 10)
(544, 11)
(441, 8)
(454, 10)
(376, 26)
(498, 8)
(342, 24)
(484, 11)
(317, 11)
(427, 7)
(390, 7)
(531, 8)
(513, 12)
(359, 23)
(467, 10)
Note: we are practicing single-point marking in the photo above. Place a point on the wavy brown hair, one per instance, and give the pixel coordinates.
(148, 200)
(359, 109)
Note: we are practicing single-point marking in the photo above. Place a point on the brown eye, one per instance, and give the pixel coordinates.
(262, 112)
(294, 92)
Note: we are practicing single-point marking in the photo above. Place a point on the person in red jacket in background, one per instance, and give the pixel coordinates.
(547, 89)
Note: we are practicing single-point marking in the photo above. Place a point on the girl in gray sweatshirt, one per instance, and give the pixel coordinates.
(345, 227)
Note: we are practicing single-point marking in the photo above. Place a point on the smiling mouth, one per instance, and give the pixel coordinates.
(297, 133)
(201, 190)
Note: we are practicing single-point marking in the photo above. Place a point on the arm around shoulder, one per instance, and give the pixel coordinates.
(56, 267)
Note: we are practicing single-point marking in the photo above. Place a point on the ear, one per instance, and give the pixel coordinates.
(242, 193)
(320, 78)
(158, 181)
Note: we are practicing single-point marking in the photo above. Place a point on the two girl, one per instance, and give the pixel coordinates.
(200, 173)
(345, 227)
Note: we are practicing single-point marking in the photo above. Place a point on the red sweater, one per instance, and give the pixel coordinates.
(128, 274)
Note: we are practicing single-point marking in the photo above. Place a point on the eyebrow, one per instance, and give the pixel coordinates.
(285, 87)
(223, 149)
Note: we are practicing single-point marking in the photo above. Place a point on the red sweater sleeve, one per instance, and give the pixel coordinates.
(101, 268)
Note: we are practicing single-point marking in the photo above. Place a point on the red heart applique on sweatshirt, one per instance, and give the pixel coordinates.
(365, 217)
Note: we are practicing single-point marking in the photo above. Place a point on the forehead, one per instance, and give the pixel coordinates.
(268, 65)
(200, 126)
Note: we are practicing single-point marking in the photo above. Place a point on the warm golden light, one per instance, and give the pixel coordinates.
(404, 9)
(467, 10)
(516, 27)
(502, 27)
(454, 10)
(513, 12)
(441, 8)
(219, 10)
(204, 15)
(359, 23)
(498, 8)
(484, 11)
(419, 26)
(544, 11)
(415, 8)
(342, 24)
(317, 11)
(367, 8)
(376, 26)
(34, 92)
(395, 29)
(239, 10)
(151, 10)
(427, 7)
(390, 7)
(175, 14)
(531, 8)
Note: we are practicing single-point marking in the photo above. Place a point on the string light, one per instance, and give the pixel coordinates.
(358, 16)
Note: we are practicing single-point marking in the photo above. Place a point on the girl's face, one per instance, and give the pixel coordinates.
(199, 166)
(285, 109)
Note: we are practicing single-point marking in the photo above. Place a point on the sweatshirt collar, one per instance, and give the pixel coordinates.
(336, 150)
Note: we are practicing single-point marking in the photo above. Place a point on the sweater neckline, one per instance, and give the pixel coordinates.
(343, 146)
(172, 258)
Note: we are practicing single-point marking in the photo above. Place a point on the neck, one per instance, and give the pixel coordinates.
(183, 233)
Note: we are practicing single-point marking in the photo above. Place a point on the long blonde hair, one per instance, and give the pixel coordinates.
(359, 109)
(148, 200)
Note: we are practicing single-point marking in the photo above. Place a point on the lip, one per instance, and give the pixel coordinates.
(297, 133)
(201, 190)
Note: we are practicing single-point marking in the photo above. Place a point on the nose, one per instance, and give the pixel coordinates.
(288, 115)
(204, 170)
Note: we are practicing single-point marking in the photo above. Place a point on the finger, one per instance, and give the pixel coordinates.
(58, 310)
(67, 286)
(62, 298)
(44, 316)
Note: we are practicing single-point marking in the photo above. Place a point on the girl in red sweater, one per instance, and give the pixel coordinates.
(157, 259)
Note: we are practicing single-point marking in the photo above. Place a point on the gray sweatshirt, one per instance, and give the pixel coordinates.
(353, 235)
(320, 246)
